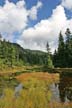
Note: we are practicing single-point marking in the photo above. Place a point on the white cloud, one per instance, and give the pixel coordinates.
(14, 17)
(34, 10)
(46, 30)
(67, 4)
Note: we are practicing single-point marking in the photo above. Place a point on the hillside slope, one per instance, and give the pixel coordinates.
(14, 54)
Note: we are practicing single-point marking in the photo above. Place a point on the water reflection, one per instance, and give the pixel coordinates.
(7, 82)
(61, 90)
(65, 87)
(18, 89)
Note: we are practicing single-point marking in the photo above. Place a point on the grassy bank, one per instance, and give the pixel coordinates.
(20, 69)
(34, 68)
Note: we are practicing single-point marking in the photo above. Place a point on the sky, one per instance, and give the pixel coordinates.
(33, 23)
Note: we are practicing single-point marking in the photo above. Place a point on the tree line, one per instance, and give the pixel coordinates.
(12, 54)
(63, 54)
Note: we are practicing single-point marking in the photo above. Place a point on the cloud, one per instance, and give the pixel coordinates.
(67, 4)
(14, 17)
(34, 10)
(46, 30)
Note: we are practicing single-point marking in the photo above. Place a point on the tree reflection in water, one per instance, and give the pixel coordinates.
(6, 82)
(65, 87)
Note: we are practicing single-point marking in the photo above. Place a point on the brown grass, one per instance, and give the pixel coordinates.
(39, 76)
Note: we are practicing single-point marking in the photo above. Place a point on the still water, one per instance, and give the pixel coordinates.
(61, 90)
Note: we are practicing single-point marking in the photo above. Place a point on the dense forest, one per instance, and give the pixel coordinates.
(63, 55)
(12, 54)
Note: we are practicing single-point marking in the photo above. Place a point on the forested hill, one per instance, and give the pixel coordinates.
(14, 54)
(31, 56)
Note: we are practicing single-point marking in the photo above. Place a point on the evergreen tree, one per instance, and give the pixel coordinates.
(13, 56)
(68, 48)
(63, 56)
(1, 54)
(1, 47)
(55, 58)
(61, 45)
(49, 60)
(61, 51)
(0, 37)
(68, 36)
(5, 51)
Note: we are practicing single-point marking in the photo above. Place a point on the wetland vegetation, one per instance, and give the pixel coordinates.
(36, 90)
(36, 79)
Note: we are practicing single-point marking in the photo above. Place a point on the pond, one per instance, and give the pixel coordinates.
(61, 91)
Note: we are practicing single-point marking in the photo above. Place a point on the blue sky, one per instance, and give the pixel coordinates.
(45, 11)
(32, 23)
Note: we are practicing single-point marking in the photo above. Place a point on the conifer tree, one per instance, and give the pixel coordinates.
(61, 51)
(68, 48)
(55, 58)
(49, 60)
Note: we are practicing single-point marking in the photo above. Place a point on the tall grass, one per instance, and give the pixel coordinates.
(35, 94)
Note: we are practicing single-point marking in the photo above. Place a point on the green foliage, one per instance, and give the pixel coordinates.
(12, 54)
(49, 59)
(50, 64)
(68, 48)
(63, 56)
(61, 51)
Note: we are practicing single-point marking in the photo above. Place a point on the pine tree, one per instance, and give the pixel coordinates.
(61, 43)
(0, 37)
(1, 47)
(1, 54)
(12, 50)
(11, 55)
(55, 58)
(49, 60)
(61, 51)
(68, 48)
(68, 36)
